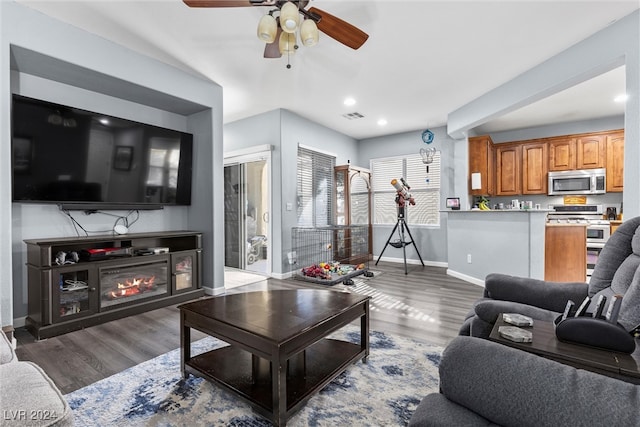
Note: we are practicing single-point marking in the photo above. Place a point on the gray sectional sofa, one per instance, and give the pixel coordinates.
(28, 397)
(483, 383)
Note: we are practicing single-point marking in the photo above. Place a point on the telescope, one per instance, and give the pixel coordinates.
(402, 196)
(403, 192)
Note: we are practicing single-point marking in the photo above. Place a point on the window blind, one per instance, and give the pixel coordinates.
(425, 189)
(314, 188)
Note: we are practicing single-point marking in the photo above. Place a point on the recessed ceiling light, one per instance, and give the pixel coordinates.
(104, 121)
(349, 101)
(621, 98)
(382, 122)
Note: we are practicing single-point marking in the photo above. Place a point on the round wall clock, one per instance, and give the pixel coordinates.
(427, 136)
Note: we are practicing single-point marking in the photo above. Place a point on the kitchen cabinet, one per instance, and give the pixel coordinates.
(508, 169)
(615, 161)
(481, 160)
(534, 168)
(521, 167)
(613, 226)
(565, 253)
(562, 154)
(590, 151)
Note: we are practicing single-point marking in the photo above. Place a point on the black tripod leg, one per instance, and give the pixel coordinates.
(388, 240)
(414, 245)
(404, 246)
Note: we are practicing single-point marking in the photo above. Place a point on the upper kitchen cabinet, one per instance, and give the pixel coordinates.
(590, 151)
(521, 167)
(562, 154)
(534, 167)
(615, 161)
(481, 160)
(508, 167)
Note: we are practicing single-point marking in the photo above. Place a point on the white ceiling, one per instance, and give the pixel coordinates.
(423, 59)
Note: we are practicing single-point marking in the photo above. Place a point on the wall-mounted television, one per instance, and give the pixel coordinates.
(85, 160)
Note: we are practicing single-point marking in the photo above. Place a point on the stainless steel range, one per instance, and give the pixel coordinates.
(598, 229)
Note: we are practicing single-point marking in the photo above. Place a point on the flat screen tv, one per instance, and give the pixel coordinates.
(85, 160)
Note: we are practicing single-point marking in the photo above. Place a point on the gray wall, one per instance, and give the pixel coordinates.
(101, 76)
(284, 130)
(616, 45)
(582, 126)
(509, 242)
(431, 241)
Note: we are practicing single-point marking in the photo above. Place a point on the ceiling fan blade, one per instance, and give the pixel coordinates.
(224, 3)
(339, 30)
(272, 50)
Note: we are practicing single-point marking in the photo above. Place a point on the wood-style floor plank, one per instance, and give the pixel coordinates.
(425, 304)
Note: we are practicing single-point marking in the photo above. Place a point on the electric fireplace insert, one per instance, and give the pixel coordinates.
(125, 284)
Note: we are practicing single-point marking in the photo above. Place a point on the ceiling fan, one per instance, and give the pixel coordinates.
(288, 11)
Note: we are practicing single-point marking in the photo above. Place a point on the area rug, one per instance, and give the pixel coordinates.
(383, 392)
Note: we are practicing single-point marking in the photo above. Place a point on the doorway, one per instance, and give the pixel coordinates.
(246, 224)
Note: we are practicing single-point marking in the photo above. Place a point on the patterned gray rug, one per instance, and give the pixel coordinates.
(383, 392)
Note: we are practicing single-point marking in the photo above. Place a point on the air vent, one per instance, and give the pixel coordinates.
(352, 116)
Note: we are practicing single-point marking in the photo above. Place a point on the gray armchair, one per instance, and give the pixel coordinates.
(483, 383)
(616, 272)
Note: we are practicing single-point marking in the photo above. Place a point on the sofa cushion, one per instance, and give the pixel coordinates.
(6, 350)
(489, 310)
(624, 274)
(30, 398)
(435, 410)
(615, 252)
(629, 316)
(514, 388)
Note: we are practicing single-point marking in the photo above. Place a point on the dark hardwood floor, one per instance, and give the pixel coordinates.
(425, 304)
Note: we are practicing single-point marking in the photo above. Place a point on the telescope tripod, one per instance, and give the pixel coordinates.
(401, 225)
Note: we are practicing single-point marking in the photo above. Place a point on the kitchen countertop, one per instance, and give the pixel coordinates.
(565, 224)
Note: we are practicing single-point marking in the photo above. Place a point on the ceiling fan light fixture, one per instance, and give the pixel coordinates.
(267, 29)
(309, 34)
(287, 43)
(289, 17)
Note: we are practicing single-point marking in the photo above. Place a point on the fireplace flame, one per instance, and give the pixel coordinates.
(132, 287)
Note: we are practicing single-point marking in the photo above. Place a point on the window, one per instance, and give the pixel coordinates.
(425, 189)
(314, 188)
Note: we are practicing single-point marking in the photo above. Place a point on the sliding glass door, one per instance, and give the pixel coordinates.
(246, 196)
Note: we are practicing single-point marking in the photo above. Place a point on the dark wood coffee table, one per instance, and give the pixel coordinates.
(622, 366)
(278, 355)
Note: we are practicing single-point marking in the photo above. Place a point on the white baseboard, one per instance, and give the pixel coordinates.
(213, 291)
(409, 261)
(466, 278)
(282, 276)
(19, 322)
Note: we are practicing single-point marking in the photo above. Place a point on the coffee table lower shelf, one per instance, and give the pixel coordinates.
(232, 367)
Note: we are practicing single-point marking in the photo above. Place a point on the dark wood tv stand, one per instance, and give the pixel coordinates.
(102, 278)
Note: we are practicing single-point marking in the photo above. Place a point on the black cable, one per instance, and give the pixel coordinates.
(75, 223)
(124, 219)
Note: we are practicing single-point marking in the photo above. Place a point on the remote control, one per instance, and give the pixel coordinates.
(614, 309)
(597, 312)
(583, 307)
(567, 309)
(635, 332)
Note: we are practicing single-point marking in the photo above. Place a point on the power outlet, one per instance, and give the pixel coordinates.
(468, 258)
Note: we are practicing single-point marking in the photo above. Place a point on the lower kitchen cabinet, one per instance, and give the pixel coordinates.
(565, 254)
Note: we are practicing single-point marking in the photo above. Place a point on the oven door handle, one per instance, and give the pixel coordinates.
(595, 245)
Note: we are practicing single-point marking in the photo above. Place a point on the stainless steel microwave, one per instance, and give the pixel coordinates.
(585, 181)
